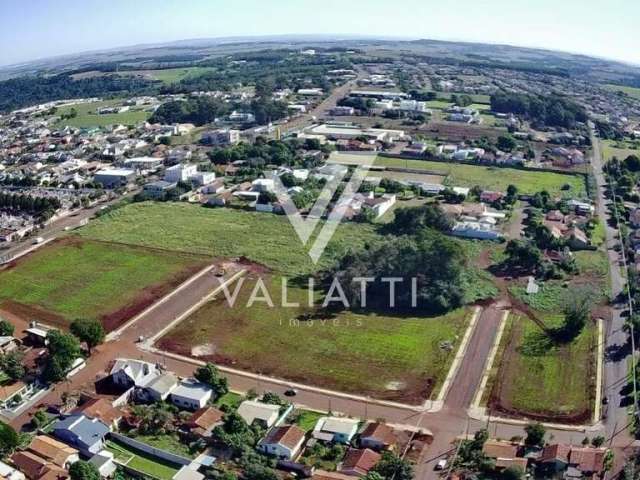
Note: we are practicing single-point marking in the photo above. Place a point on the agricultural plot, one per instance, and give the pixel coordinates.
(263, 238)
(87, 115)
(75, 278)
(399, 358)
(631, 91)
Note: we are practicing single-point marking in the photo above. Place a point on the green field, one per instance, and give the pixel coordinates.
(141, 461)
(619, 149)
(631, 91)
(169, 442)
(383, 356)
(489, 178)
(88, 117)
(72, 279)
(170, 75)
(541, 378)
(264, 238)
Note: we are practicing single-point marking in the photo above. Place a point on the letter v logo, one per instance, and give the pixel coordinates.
(304, 227)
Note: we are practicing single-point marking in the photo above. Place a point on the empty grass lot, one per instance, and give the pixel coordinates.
(631, 91)
(87, 115)
(488, 178)
(141, 462)
(74, 278)
(170, 75)
(619, 149)
(264, 238)
(544, 379)
(383, 356)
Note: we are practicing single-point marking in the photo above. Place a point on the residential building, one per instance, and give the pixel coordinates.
(104, 462)
(157, 190)
(191, 394)
(161, 387)
(9, 473)
(203, 421)
(470, 229)
(335, 429)
(505, 454)
(255, 411)
(378, 436)
(221, 137)
(35, 467)
(53, 451)
(181, 172)
(102, 409)
(133, 373)
(283, 442)
(115, 178)
(81, 432)
(358, 462)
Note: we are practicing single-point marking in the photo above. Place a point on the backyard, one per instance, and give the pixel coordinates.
(400, 358)
(141, 462)
(75, 278)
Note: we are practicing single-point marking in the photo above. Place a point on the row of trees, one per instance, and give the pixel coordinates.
(28, 203)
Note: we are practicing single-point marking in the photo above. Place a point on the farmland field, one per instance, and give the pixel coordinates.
(490, 178)
(543, 380)
(264, 238)
(88, 116)
(383, 356)
(74, 278)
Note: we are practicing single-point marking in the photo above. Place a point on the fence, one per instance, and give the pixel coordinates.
(156, 452)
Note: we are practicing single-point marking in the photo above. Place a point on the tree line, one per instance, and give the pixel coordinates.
(552, 110)
(28, 203)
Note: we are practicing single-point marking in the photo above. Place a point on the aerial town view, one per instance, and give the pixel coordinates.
(339, 240)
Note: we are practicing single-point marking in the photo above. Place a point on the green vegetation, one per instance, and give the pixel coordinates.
(229, 399)
(168, 442)
(537, 365)
(87, 116)
(549, 298)
(631, 91)
(619, 149)
(263, 238)
(170, 75)
(385, 356)
(306, 419)
(142, 462)
(496, 178)
(74, 278)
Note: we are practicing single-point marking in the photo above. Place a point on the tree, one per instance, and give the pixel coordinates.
(513, 472)
(6, 328)
(39, 419)
(577, 312)
(82, 470)
(12, 363)
(63, 349)
(506, 143)
(9, 440)
(393, 467)
(535, 434)
(210, 375)
(598, 441)
(523, 254)
(410, 220)
(89, 331)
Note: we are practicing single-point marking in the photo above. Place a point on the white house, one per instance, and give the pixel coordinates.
(335, 429)
(129, 373)
(161, 387)
(191, 394)
(224, 136)
(103, 461)
(283, 442)
(10, 473)
(180, 172)
(252, 410)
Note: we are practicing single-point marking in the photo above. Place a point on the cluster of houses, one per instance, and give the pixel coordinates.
(570, 227)
(554, 460)
(87, 430)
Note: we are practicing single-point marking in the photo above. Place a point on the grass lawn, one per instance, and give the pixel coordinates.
(168, 443)
(141, 461)
(619, 149)
(496, 178)
(74, 278)
(230, 399)
(382, 356)
(539, 377)
(306, 419)
(631, 91)
(261, 237)
(88, 116)
(489, 178)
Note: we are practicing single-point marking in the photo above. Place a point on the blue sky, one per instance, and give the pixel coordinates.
(32, 29)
